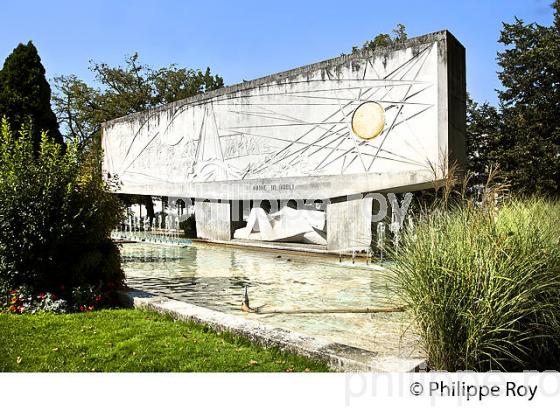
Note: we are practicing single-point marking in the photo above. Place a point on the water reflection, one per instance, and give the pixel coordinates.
(215, 276)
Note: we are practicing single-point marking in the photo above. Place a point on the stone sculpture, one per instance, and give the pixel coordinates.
(286, 225)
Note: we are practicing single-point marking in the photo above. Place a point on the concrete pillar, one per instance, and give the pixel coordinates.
(349, 223)
(213, 220)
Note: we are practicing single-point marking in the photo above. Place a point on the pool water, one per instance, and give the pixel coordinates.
(214, 276)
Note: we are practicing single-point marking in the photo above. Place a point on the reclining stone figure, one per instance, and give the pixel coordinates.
(286, 225)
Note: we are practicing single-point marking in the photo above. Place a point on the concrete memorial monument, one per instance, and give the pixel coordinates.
(372, 121)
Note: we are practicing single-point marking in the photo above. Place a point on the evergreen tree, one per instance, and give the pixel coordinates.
(530, 140)
(25, 94)
(484, 125)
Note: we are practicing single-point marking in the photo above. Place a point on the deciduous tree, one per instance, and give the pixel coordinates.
(134, 87)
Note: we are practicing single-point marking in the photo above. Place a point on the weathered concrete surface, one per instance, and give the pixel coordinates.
(289, 136)
(349, 224)
(213, 220)
(456, 100)
(337, 356)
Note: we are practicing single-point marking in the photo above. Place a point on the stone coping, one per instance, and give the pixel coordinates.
(292, 247)
(338, 356)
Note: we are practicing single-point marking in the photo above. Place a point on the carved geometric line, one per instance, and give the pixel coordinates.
(146, 121)
(320, 137)
(259, 114)
(273, 138)
(346, 136)
(386, 79)
(396, 116)
(145, 175)
(385, 132)
(357, 100)
(414, 57)
(376, 147)
(302, 150)
(287, 118)
(217, 132)
(200, 140)
(359, 153)
(326, 146)
(301, 124)
(140, 153)
(384, 138)
(330, 116)
(323, 123)
(395, 83)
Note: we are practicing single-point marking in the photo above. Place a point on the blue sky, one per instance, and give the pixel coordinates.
(249, 39)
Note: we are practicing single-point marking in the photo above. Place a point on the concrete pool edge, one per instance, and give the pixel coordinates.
(338, 356)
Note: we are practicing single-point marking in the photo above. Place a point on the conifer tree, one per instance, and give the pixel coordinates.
(25, 94)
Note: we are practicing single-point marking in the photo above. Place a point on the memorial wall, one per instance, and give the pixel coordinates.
(373, 121)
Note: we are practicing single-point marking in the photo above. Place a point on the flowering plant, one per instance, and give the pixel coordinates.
(22, 300)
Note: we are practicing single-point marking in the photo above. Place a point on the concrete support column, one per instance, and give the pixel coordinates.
(213, 220)
(349, 224)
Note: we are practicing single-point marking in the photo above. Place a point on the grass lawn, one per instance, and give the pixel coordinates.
(127, 340)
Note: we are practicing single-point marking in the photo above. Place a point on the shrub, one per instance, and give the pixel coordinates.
(56, 215)
(484, 286)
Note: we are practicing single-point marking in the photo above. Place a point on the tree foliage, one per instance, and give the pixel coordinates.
(530, 74)
(385, 39)
(522, 136)
(25, 94)
(133, 87)
(482, 138)
(56, 215)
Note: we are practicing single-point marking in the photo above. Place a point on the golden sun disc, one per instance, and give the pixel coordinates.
(368, 120)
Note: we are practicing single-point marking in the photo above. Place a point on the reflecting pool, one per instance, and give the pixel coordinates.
(214, 276)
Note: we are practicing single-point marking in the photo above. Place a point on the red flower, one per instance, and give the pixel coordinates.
(98, 298)
(41, 295)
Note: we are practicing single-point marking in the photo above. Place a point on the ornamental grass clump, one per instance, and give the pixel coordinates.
(484, 285)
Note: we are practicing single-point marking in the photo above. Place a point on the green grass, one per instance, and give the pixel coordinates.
(484, 287)
(126, 340)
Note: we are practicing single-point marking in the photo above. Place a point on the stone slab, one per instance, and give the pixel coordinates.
(338, 356)
(349, 224)
(289, 135)
(213, 220)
